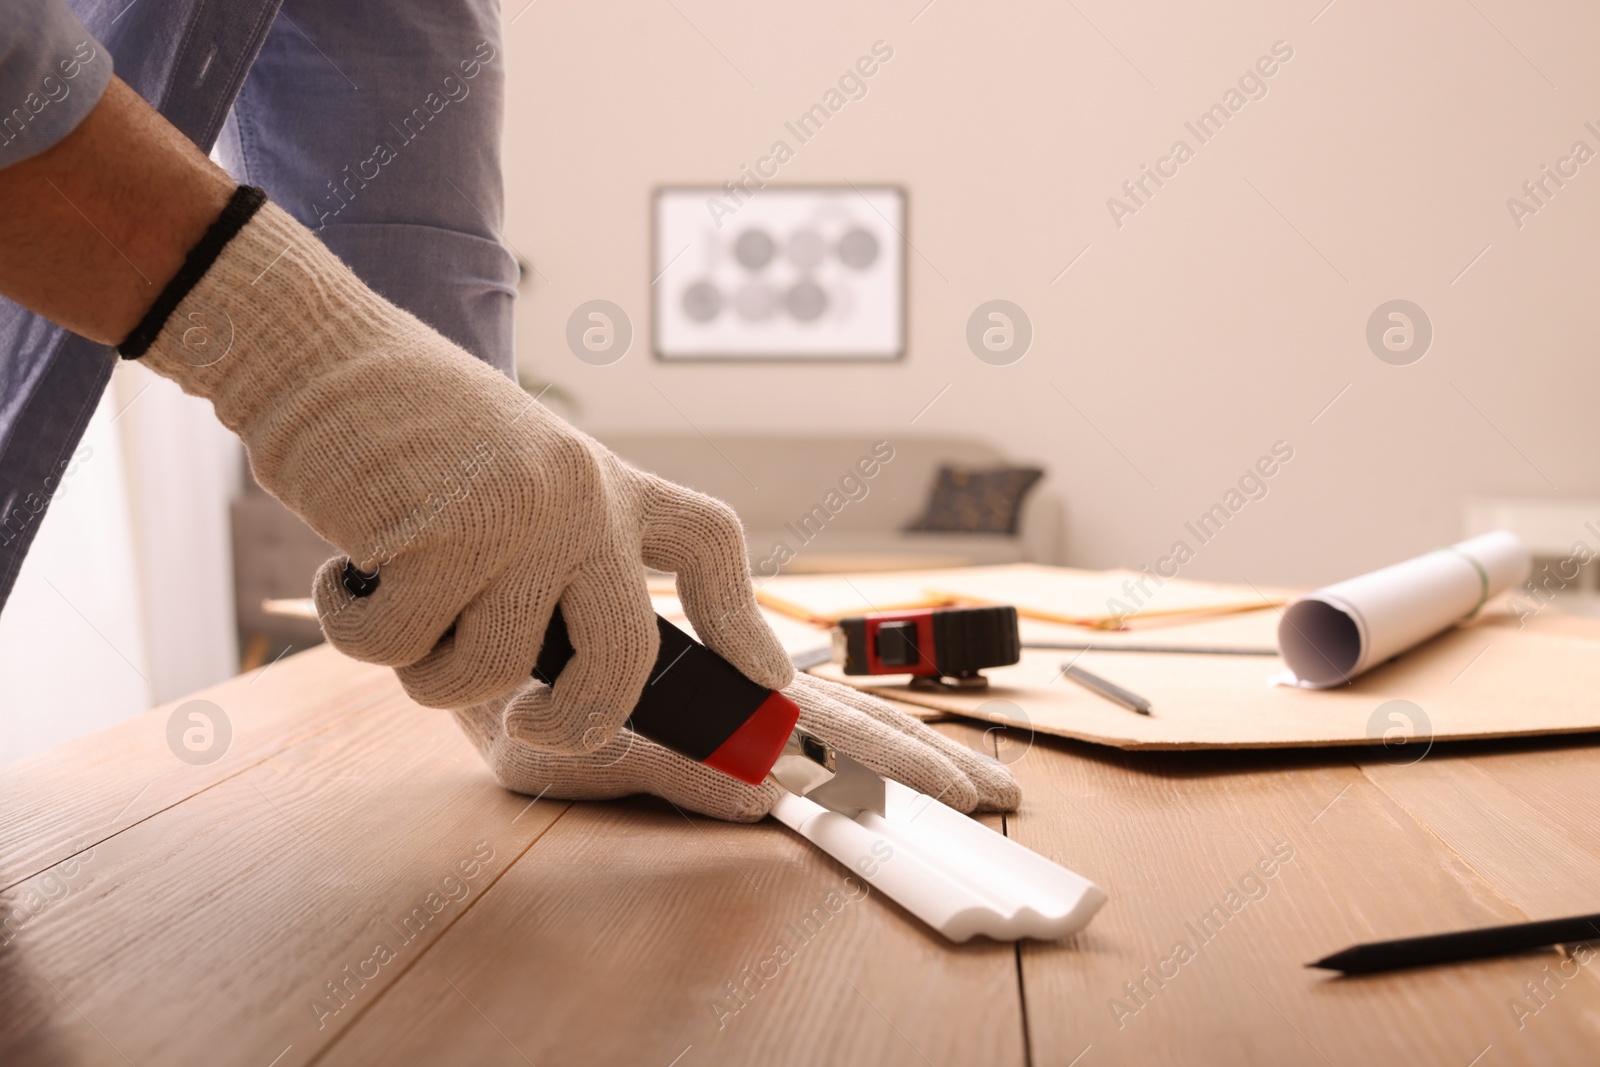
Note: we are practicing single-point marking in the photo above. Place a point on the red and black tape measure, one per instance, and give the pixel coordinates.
(929, 642)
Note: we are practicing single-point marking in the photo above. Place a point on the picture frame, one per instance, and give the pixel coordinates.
(810, 273)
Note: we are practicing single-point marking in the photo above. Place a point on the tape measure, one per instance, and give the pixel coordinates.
(936, 646)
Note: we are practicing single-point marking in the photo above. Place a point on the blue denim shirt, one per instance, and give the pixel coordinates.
(377, 124)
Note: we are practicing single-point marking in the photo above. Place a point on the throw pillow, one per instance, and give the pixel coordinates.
(968, 500)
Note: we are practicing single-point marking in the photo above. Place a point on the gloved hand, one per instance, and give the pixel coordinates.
(478, 507)
(863, 727)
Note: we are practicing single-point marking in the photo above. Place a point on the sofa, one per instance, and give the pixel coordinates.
(780, 484)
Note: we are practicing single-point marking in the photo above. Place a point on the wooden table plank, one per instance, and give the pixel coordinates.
(1172, 837)
(1521, 818)
(615, 938)
(58, 802)
(245, 922)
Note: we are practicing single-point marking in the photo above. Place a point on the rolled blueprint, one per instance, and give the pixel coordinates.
(1334, 634)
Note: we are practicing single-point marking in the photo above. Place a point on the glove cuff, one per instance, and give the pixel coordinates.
(274, 318)
(241, 207)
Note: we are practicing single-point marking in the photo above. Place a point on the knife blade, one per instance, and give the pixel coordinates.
(853, 788)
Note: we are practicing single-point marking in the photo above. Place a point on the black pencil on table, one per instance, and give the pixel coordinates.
(1461, 945)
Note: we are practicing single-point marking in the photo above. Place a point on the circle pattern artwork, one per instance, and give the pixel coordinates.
(702, 302)
(767, 276)
(858, 249)
(754, 249)
(806, 301)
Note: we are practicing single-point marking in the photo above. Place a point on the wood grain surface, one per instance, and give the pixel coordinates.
(1199, 956)
(209, 931)
(347, 885)
(720, 944)
(58, 802)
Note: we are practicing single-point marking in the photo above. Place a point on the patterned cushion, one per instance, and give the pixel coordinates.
(970, 500)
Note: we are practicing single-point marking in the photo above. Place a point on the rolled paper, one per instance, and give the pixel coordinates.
(1337, 633)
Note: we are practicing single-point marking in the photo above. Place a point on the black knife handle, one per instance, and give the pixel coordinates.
(695, 702)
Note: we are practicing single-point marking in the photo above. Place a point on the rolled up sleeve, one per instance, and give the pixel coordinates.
(52, 73)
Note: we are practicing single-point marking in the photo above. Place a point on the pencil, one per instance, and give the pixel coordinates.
(1108, 689)
(1461, 945)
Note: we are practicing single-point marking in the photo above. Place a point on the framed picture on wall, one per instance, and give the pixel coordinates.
(792, 272)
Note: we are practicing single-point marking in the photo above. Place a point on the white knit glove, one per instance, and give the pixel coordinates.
(890, 742)
(479, 508)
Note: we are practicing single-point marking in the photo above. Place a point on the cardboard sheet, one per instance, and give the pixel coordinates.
(1096, 599)
(1506, 674)
(1488, 679)
(1239, 632)
(825, 599)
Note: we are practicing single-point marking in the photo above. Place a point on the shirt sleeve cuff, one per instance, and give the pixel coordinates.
(52, 74)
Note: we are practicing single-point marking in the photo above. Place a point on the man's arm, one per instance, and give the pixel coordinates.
(95, 226)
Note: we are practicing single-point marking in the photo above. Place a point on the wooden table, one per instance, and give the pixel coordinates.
(347, 885)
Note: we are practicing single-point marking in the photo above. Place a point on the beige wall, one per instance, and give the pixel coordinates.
(1221, 317)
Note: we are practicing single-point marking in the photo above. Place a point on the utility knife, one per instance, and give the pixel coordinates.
(698, 704)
